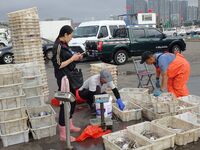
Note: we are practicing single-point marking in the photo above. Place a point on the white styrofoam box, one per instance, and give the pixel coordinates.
(33, 91)
(110, 145)
(166, 138)
(13, 126)
(190, 117)
(44, 132)
(107, 109)
(11, 90)
(12, 102)
(15, 138)
(134, 112)
(36, 101)
(14, 113)
(41, 121)
(185, 131)
(32, 81)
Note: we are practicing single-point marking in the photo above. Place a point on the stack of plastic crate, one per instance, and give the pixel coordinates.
(13, 118)
(41, 116)
(26, 40)
(96, 68)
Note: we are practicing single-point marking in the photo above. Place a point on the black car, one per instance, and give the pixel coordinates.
(6, 54)
(132, 41)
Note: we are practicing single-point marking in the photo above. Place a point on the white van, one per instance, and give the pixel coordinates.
(93, 30)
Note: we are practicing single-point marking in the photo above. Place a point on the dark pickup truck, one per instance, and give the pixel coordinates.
(133, 41)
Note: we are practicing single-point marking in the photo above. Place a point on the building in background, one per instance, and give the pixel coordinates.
(183, 9)
(164, 12)
(192, 13)
(178, 12)
(136, 6)
(152, 6)
(198, 9)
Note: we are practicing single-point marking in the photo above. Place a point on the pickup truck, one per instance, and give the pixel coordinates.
(133, 41)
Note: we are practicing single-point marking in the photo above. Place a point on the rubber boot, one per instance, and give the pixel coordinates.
(62, 132)
(73, 128)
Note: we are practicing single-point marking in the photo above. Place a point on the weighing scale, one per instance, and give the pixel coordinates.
(105, 123)
(66, 98)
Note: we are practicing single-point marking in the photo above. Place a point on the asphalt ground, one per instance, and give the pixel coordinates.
(126, 78)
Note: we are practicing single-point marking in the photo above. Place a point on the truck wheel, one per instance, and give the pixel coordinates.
(106, 60)
(7, 59)
(176, 49)
(120, 57)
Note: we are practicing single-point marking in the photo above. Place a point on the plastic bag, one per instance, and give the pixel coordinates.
(93, 132)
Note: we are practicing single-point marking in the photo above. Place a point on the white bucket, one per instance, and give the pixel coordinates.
(107, 109)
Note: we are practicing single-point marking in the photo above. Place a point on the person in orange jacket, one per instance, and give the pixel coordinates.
(174, 69)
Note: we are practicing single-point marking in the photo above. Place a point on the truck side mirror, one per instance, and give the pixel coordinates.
(100, 35)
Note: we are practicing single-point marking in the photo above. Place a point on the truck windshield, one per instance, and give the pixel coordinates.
(87, 31)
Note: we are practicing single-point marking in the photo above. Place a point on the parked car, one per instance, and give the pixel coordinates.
(128, 42)
(6, 54)
(170, 31)
(47, 46)
(93, 30)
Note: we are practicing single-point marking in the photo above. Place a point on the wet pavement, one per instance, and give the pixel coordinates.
(83, 114)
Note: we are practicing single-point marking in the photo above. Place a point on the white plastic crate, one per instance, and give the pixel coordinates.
(11, 114)
(13, 126)
(138, 94)
(110, 145)
(12, 102)
(166, 137)
(10, 76)
(190, 117)
(185, 131)
(33, 91)
(165, 103)
(36, 101)
(11, 90)
(15, 138)
(30, 69)
(41, 121)
(44, 132)
(186, 107)
(149, 113)
(31, 81)
(191, 99)
(131, 112)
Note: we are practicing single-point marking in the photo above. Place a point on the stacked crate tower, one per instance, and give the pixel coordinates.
(13, 117)
(28, 54)
(96, 68)
(26, 40)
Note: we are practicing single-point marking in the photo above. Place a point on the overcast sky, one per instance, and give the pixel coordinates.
(78, 10)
